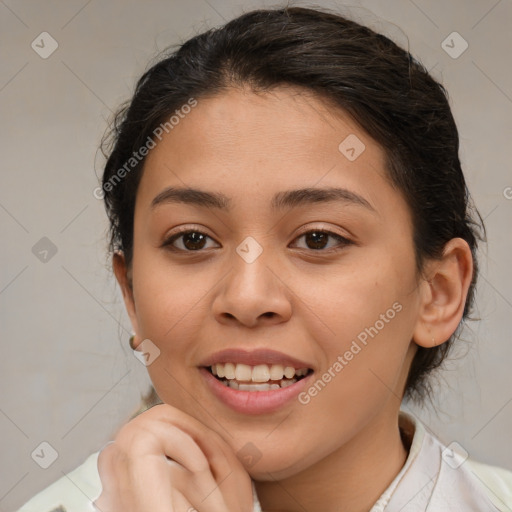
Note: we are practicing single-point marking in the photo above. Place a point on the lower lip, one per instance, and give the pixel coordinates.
(254, 402)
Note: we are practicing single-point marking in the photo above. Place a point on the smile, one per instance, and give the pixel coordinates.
(261, 377)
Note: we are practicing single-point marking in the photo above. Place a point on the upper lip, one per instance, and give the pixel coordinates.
(253, 358)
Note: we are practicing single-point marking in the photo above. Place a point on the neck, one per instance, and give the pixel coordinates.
(350, 479)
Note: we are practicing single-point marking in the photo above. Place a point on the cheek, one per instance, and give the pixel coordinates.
(350, 299)
(169, 300)
(361, 378)
(367, 316)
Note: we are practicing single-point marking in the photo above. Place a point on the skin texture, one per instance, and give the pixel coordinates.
(343, 448)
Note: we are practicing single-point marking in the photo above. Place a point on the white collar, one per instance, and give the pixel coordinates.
(434, 478)
(427, 482)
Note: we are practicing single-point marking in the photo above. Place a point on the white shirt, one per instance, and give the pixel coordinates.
(434, 478)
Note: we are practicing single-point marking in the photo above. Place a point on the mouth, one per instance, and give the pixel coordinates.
(259, 381)
(257, 378)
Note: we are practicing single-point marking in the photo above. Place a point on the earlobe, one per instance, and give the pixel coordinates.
(122, 273)
(443, 294)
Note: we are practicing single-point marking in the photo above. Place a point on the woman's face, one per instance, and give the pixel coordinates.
(257, 275)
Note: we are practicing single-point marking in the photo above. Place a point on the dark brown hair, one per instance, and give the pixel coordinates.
(380, 85)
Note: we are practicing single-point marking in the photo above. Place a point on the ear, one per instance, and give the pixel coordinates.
(443, 294)
(123, 276)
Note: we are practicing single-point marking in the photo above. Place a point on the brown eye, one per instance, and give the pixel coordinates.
(187, 241)
(318, 240)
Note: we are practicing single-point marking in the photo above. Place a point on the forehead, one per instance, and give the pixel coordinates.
(253, 144)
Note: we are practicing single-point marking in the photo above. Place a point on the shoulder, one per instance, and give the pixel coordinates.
(496, 481)
(74, 492)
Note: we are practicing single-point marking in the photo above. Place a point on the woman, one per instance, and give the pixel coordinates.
(295, 244)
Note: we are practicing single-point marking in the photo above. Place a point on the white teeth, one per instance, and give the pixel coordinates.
(289, 372)
(276, 372)
(243, 372)
(254, 387)
(260, 387)
(229, 371)
(220, 370)
(260, 373)
(261, 377)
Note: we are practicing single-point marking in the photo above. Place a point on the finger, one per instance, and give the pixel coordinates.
(188, 467)
(225, 467)
(181, 504)
(158, 444)
(133, 483)
(217, 451)
(178, 445)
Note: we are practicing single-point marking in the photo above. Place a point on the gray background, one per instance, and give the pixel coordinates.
(68, 377)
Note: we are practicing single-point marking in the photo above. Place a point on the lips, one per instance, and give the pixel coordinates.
(254, 398)
(255, 382)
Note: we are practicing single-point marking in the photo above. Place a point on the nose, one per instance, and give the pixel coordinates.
(252, 294)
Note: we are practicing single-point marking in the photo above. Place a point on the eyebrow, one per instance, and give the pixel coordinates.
(281, 200)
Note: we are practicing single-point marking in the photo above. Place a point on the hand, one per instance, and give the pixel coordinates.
(167, 461)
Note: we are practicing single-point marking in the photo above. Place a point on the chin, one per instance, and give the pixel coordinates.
(275, 467)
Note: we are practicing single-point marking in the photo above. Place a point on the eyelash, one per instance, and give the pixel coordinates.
(168, 243)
